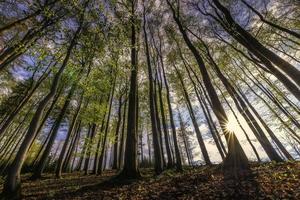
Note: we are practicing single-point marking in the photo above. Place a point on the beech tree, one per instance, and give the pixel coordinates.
(103, 87)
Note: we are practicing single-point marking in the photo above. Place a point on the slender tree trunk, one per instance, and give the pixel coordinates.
(19, 21)
(89, 149)
(177, 153)
(84, 149)
(184, 139)
(101, 168)
(271, 96)
(155, 132)
(240, 125)
(201, 88)
(116, 150)
(157, 117)
(54, 101)
(43, 161)
(164, 123)
(12, 134)
(267, 128)
(11, 150)
(74, 145)
(11, 143)
(141, 146)
(243, 109)
(272, 110)
(66, 143)
(217, 142)
(149, 148)
(12, 183)
(194, 120)
(122, 140)
(236, 157)
(100, 141)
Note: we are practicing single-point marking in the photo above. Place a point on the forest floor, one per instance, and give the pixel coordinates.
(267, 181)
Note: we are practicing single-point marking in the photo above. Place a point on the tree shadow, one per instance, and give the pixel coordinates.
(214, 184)
(98, 190)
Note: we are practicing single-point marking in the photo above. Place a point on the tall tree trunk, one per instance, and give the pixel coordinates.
(177, 153)
(272, 110)
(12, 183)
(92, 134)
(100, 141)
(116, 150)
(157, 117)
(244, 110)
(184, 138)
(240, 125)
(14, 132)
(141, 146)
(43, 161)
(236, 157)
(155, 132)
(66, 143)
(130, 169)
(149, 147)
(164, 123)
(271, 96)
(10, 153)
(11, 144)
(194, 120)
(102, 153)
(41, 126)
(84, 149)
(74, 145)
(217, 142)
(122, 139)
(267, 128)
(202, 90)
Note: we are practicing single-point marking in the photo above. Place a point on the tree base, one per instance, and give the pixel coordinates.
(10, 196)
(235, 161)
(234, 165)
(129, 174)
(11, 193)
(58, 176)
(35, 177)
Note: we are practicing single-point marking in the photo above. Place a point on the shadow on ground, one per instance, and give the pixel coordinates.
(266, 181)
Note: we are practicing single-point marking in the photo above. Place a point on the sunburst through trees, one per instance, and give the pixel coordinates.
(90, 86)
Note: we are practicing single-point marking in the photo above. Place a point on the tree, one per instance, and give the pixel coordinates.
(130, 168)
(12, 183)
(236, 157)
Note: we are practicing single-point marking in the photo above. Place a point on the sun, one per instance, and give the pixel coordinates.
(232, 125)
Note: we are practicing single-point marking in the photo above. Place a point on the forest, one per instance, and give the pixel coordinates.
(149, 99)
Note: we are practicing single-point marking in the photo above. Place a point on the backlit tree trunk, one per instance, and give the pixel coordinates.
(236, 157)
